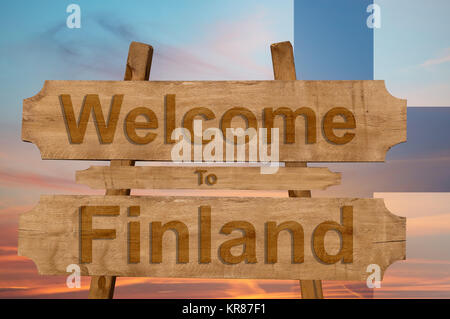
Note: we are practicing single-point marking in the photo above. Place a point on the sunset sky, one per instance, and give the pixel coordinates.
(230, 40)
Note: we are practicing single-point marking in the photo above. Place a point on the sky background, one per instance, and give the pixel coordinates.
(230, 40)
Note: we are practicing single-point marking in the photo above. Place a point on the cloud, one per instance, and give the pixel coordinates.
(101, 51)
(416, 205)
(28, 179)
(412, 175)
(416, 278)
(124, 31)
(443, 58)
(426, 213)
(430, 225)
(240, 42)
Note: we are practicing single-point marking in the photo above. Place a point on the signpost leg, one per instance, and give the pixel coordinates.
(284, 69)
(137, 69)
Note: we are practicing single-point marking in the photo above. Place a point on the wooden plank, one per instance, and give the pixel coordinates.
(138, 67)
(284, 69)
(346, 120)
(311, 289)
(151, 177)
(283, 61)
(95, 232)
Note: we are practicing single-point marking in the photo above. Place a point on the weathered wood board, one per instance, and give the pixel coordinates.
(138, 67)
(318, 121)
(152, 177)
(65, 230)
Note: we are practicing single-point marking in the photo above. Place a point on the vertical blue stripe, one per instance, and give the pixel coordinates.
(332, 40)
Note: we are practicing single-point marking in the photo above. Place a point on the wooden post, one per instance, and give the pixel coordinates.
(284, 69)
(137, 69)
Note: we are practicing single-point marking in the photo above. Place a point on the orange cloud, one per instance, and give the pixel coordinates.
(431, 225)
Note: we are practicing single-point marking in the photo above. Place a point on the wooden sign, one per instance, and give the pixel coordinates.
(286, 238)
(212, 237)
(318, 121)
(247, 178)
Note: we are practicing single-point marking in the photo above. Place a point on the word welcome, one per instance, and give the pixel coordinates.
(106, 130)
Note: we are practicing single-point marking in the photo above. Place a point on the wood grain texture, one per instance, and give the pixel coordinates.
(138, 67)
(243, 178)
(311, 289)
(50, 236)
(283, 61)
(284, 69)
(380, 118)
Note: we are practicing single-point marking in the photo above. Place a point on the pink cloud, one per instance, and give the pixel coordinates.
(430, 225)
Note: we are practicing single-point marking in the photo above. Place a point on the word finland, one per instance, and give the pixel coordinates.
(225, 255)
